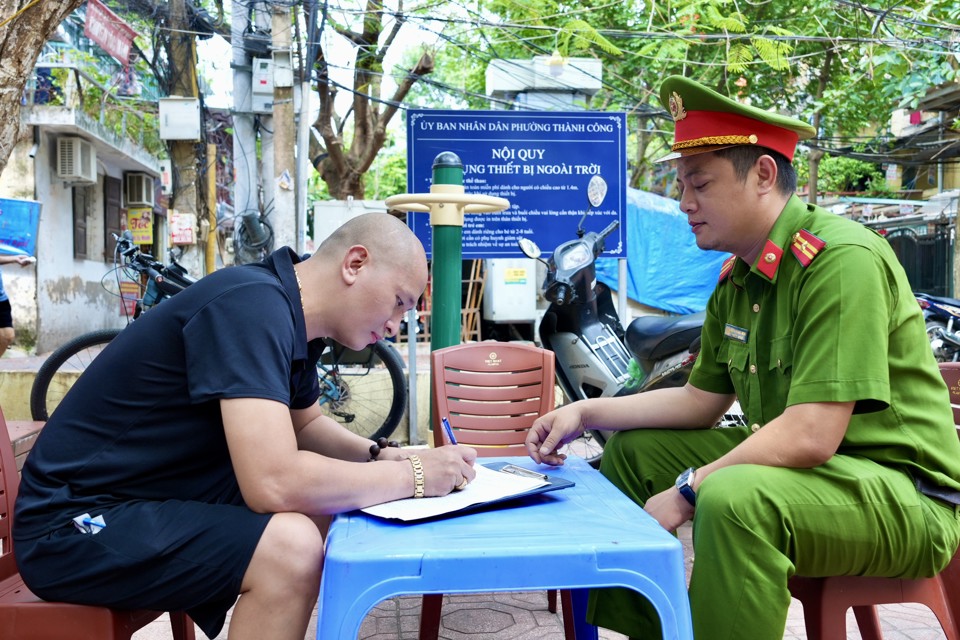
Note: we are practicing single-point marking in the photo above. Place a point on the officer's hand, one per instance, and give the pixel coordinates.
(669, 508)
(551, 431)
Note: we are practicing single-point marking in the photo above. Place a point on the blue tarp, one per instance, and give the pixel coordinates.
(665, 268)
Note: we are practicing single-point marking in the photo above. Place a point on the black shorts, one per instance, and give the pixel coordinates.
(164, 556)
(6, 316)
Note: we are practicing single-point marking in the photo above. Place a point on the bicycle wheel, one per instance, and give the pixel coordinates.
(62, 368)
(365, 391)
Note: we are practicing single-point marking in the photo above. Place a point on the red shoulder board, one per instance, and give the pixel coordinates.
(805, 246)
(727, 267)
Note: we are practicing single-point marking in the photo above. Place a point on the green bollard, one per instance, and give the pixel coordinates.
(447, 254)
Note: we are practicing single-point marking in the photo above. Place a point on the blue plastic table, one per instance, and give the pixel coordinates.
(589, 535)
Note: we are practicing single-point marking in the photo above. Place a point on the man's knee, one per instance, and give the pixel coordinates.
(734, 494)
(291, 547)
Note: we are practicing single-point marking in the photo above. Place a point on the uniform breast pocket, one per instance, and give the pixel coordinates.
(734, 355)
(781, 355)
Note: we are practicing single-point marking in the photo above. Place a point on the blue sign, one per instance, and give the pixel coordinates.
(540, 161)
(19, 222)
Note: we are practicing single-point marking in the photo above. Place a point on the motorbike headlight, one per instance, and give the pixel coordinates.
(575, 257)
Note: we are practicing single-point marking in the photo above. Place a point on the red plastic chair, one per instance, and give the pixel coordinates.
(24, 616)
(826, 600)
(491, 392)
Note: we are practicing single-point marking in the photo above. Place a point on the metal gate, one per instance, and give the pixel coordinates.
(926, 257)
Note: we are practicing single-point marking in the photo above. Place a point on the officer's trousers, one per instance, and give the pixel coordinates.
(755, 526)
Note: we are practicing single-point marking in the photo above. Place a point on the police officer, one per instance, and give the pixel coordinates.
(851, 464)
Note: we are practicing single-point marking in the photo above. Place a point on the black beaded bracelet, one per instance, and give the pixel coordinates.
(379, 445)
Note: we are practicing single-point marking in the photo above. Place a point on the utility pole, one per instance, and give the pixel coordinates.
(244, 140)
(283, 218)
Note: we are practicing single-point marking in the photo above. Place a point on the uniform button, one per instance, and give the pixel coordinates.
(756, 308)
(754, 427)
(753, 368)
(770, 257)
(779, 364)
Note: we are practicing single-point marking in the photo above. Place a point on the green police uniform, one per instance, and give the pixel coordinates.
(825, 314)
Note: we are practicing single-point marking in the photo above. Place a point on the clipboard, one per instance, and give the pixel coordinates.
(486, 491)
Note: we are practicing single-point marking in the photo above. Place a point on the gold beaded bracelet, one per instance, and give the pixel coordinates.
(417, 476)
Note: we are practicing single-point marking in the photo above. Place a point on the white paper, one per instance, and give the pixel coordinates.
(488, 486)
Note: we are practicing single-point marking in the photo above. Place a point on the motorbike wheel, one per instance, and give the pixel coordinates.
(934, 327)
(944, 350)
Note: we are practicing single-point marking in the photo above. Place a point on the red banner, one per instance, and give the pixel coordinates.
(110, 32)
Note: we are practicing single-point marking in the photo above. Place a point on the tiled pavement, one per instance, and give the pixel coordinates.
(524, 616)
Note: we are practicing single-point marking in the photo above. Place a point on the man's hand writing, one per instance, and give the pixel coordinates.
(445, 468)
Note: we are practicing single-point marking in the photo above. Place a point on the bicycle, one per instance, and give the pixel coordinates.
(353, 384)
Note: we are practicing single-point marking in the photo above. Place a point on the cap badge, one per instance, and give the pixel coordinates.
(676, 107)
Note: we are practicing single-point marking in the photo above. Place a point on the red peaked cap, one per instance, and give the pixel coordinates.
(706, 121)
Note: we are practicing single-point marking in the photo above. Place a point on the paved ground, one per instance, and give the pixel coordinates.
(524, 616)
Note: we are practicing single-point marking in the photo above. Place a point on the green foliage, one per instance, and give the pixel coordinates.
(839, 174)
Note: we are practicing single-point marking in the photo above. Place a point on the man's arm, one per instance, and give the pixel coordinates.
(803, 436)
(321, 434)
(275, 475)
(684, 407)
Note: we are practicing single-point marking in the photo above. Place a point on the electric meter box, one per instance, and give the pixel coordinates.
(510, 290)
(262, 85)
(179, 118)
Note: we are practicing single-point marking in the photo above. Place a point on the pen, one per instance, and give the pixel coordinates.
(449, 430)
(92, 523)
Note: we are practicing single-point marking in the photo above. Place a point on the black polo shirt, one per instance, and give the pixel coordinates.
(143, 421)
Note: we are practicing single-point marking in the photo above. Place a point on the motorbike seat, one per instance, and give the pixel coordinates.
(953, 302)
(656, 337)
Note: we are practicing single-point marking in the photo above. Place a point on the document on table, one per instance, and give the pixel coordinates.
(488, 487)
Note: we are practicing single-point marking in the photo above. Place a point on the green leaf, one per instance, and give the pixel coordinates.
(738, 58)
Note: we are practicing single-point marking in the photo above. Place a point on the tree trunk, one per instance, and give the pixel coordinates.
(815, 154)
(24, 28)
(342, 168)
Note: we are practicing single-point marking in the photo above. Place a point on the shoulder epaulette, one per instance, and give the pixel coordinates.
(805, 246)
(726, 268)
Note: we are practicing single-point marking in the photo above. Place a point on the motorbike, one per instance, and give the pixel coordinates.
(942, 317)
(595, 356)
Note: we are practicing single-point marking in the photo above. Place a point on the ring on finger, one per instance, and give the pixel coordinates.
(462, 485)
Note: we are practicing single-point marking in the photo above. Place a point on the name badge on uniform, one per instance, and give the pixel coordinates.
(735, 333)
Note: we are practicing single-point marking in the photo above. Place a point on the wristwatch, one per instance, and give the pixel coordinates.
(684, 486)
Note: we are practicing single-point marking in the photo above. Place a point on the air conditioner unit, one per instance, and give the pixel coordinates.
(138, 190)
(76, 160)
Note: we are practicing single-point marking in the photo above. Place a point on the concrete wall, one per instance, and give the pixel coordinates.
(61, 296)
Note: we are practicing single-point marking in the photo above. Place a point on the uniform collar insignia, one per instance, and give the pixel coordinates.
(769, 259)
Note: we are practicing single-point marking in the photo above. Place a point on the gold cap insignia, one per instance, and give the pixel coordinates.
(676, 107)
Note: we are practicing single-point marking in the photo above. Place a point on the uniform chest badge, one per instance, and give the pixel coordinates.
(733, 332)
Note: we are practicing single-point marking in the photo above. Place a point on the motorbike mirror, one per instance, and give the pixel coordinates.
(529, 247)
(596, 191)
